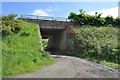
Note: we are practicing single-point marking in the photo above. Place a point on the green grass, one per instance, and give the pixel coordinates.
(21, 52)
(107, 63)
(0, 65)
(0, 50)
(100, 61)
(110, 64)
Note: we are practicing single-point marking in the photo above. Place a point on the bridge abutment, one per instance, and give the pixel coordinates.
(63, 40)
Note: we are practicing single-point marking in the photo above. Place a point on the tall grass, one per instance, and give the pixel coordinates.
(21, 52)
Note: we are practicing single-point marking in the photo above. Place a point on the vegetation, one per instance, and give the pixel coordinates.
(94, 20)
(0, 46)
(98, 43)
(44, 43)
(96, 37)
(21, 50)
(9, 24)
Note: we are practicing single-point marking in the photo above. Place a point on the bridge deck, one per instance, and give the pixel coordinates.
(47, 22)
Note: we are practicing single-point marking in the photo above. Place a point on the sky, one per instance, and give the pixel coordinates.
(59, 9)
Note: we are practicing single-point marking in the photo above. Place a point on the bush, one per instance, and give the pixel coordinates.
(10, 24)
(25, 34)
(95, 20)
(100, 43)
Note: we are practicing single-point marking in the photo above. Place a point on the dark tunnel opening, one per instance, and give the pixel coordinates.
(51, 39)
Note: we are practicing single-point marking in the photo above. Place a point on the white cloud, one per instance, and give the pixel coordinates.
(105, 12)
(40, 12)
(52, 9)
(45, 12)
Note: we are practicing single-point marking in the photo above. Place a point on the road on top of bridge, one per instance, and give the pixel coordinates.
(71, 67)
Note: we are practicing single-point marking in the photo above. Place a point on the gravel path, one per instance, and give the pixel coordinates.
(71, 67)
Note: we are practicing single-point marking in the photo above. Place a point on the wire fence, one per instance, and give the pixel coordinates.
(45, 18)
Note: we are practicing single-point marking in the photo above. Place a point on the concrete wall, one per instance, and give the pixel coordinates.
(67, 40)
(61, 40)
(54, 41)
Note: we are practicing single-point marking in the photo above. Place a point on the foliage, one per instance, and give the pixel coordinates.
(44, 43)
(100, 43)
(95, 40)
(21, 51)
(85, 19)
(10, 24)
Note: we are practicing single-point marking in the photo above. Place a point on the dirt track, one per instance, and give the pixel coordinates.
(71, 67)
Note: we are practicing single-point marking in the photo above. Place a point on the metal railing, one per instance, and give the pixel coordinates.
(44, 18)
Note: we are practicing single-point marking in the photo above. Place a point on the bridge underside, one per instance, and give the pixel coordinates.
(59, 39)
(49, 32)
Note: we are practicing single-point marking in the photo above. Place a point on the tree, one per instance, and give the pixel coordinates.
(10, 24)
(73, 17)
(117, 21)
(82, 12)
(109, 20)
(85, 19)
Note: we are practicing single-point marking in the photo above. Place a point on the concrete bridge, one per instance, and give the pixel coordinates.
(57, 30)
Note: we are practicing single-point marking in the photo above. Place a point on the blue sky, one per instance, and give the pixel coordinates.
(57, 9)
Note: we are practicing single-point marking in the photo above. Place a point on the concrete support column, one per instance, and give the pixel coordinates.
(55, 40)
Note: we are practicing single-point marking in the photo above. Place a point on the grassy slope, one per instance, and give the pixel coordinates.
(22, 51)
(0, 50)
(0, 56)
(95, 38)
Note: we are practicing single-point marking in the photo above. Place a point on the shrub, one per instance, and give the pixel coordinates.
(10, 24)
(95, 20)
(101, 43)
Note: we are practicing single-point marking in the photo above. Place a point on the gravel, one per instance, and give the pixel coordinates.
(71, 67)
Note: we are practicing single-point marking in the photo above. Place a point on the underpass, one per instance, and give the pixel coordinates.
(57, 30)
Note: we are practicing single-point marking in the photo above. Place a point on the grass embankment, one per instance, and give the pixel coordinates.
(21, 51)
(0, 48)
(99, 44)
(0, 55)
